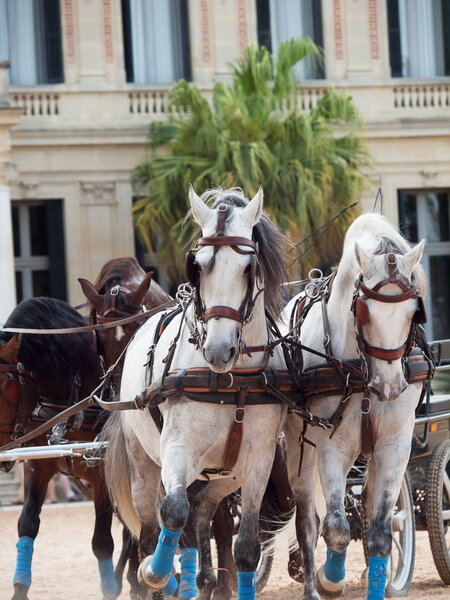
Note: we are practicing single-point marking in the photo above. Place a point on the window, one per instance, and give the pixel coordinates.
(30, 38)
(156, 40)
(427, 215)
(38, 237)
(419, 37)
(280, 20)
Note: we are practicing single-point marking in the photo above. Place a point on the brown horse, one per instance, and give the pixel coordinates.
(54, 371)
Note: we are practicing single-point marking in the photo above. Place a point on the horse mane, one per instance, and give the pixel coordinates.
(272, 246)
(57, 356)
(378, 236)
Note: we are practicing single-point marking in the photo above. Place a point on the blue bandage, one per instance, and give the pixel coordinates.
(377, 577)
(162, 560)
(171, 587)
(23, 565)
(108, 583)
(334, 568)
(188, 584)
(246, 585)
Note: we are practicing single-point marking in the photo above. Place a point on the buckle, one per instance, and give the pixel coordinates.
(236, 415)
(365, 410)
(115, 290)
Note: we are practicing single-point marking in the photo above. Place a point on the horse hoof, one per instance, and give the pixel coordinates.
(327, 588)
(148, 579)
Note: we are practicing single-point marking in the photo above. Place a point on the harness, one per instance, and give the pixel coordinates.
(348, 377)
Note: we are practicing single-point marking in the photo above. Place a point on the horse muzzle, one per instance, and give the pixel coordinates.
(220, 360)
(387, 389)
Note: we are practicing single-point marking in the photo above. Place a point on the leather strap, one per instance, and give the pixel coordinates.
(229, 240)
(234, 440)
(222, 311)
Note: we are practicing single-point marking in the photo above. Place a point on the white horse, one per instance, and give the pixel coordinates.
(237, 268)
(380, 278)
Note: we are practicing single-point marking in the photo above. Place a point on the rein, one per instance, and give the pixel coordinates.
(111, 322)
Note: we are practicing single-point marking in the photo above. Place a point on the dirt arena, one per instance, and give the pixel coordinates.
(64, 567)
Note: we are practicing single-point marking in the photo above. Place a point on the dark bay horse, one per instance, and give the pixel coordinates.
(55, 371)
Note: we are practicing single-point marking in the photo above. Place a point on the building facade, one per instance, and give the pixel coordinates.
(86, 78)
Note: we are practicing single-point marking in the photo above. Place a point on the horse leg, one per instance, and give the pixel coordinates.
(247, 549)
(204, 507)
(102, 541)
(285, 506)
(37, 474)
(301, 480)
(333, 467)
(222, 526)
(391, 462)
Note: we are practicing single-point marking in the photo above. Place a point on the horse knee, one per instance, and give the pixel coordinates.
(336, 531)
(175, 510)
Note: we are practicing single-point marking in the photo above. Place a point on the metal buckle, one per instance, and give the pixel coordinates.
(243, 414)
(115, 290)
(222, 207)
(365, 412)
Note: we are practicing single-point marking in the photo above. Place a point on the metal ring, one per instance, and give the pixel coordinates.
(266, 383)
(366, 412)
(231, 380)
(243, 415)
(312, 290)
(115, 290)
(315, 279)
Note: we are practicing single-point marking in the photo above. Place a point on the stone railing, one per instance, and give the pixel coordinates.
(47, 106)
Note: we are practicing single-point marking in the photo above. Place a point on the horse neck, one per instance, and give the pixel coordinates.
(340, 317)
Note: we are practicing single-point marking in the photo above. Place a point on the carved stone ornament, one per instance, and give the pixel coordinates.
(9, 173)
(29, 187)
(98, 193)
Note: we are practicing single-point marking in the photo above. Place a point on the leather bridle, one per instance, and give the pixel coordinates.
(10, 391)
(113, 313)
(245, 311)
(361, 311)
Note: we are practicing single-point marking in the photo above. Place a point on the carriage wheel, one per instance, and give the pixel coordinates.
(263, 571)
(403, 543)
(438, 508)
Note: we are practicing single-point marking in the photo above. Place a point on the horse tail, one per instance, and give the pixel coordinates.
(117, 474)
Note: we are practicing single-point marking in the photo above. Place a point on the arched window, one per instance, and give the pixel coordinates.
(156, 40)
(30, 38)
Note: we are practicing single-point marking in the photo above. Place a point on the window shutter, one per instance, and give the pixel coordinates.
(263, 20)
(127, 45)
(318, 34)
(395, 51)
(446, 35)
(53, 41)
(185, 41)
(56, 249)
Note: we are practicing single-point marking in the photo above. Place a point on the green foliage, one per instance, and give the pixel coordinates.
(310, 161)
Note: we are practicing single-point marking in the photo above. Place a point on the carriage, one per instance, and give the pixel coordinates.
(220, 350)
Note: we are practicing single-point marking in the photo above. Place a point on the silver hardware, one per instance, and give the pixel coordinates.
(115, 290)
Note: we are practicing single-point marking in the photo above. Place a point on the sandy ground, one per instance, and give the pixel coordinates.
(65, 568)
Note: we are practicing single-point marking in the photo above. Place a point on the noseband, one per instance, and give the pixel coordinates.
(361, 311)
(244, 314)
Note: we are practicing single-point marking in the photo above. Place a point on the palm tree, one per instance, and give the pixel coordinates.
(310, 163)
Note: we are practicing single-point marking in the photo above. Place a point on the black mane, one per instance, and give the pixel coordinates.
(58, 356)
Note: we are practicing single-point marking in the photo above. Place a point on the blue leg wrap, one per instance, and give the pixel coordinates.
(246, 585)
(171, 587)
(188, 584)
(162, 560)
(23, 565)
(334, 568)
(377, 577)
(108, 583)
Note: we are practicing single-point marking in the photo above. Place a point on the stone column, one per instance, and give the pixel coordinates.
(9, 116)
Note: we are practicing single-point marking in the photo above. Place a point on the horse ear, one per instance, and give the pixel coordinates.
(253, 210)
(364, 260)
(10, 350)
(200, 210)
(136, 298)
(412, 258)
(96, 299)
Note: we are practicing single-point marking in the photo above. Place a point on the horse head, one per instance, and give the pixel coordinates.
(223, 268)
(387, 306)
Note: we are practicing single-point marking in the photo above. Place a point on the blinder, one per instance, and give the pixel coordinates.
(11, 390)
(362, 312)
(191, 268)
(420, 316)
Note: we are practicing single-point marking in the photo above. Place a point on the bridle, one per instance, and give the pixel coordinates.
(10, 391)
(361, 311)
(113, 312)
(245, 311)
